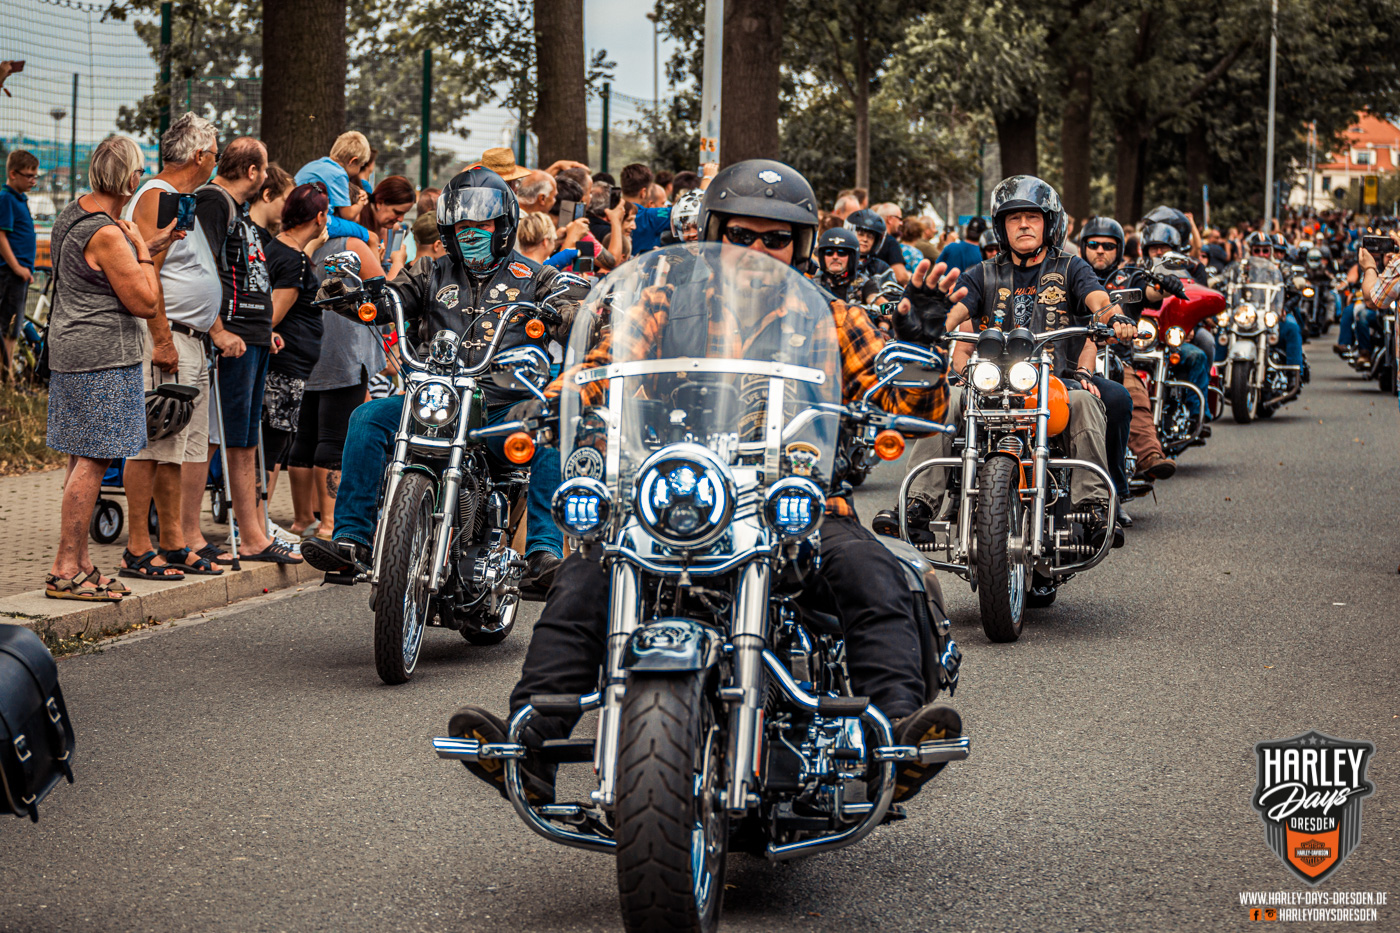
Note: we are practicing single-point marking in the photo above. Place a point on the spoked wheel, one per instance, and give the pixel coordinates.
(1002, 579)
(1244, 398)
(402, 605)
(672, 833)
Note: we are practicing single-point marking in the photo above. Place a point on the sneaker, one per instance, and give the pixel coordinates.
(933, 722)
(473, 722)
(1155, 466)
(275, 530)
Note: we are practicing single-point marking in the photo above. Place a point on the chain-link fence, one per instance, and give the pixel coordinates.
(630, 123)
(78, 71)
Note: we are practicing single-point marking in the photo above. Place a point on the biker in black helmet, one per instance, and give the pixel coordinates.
(769, 207)
(477, 215)
(1159, 239)
(1033, 283)
(988, 244)
(869, 228)
(838, 256)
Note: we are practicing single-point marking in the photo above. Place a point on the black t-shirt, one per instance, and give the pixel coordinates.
(1081, 280)
(1215, 254)
(247, 305)
(302, 327)
(889, 252)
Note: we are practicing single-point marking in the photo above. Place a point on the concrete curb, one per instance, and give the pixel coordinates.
(152, 600)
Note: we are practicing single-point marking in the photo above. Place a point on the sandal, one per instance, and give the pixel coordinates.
(180, 557)
(112, 585)
(278, 552)
(211, 552)
(56, 587)
(141, 567)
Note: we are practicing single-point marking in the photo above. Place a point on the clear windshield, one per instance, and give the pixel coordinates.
(1261, 272)
(706, 344)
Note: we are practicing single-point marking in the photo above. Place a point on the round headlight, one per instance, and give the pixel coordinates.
(442, 349)
(794, 507)
(986, 376)
(435, 404)
(1023, 376)
(1223, 319)
(1270, 318)
(1245, 316)
(1308, 292)
(1175, 336)
(1146, 335)
(685, 496)
(582, 507)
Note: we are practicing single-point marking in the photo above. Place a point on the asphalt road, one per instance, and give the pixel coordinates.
(251, 773)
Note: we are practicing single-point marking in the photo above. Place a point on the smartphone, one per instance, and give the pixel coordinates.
(176, 207)
(1378, 246)
(583, 265)
(394, 239)
(569, 211)
(614, 197)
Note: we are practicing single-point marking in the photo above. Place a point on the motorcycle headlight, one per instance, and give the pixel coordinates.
(582, 507)
(442, 349)
(794, 507)
(1023, 376)
(1308, 292)
(1146, 335)
(435, 404)
(1270, 318)
(685, 496)
(1175, 336)
(1223, 319)
(986, 376)
(1245, 315)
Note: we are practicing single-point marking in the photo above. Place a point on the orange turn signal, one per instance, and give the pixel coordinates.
(368, 312)
(535, 329)
(1175, 358)
(889, 445)
(520, 448)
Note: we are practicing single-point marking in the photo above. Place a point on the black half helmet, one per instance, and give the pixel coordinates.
(767, 189)
(1258, 240)
(1103, 228)
(872, 223)
(839, 239)
(478, 194)
(1172, 218)
(988, 241)
(1161, 234)
(1027, 193)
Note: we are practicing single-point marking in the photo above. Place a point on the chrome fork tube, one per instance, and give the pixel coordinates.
(1159, 390)
(447, 496)
(750, 637)
(969, 475)
(1042, 458)
(395, 477)
(624, 613)
(1261, 364)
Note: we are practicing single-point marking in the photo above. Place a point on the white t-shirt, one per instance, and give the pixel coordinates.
(190, 275)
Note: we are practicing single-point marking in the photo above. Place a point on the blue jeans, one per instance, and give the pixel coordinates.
(368, 447)
(1290, 337)
(1195, 369)
(1345, 335)
(1364, 325)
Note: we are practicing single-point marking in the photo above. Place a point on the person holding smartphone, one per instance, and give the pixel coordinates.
(383, 215)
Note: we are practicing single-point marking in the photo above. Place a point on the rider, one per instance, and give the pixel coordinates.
(1290, 334)
(1158, 240)
(1033, 283)
(1101, 245)
(477, 215)
(766, 206)
(988, 244)
(685, 217)
(869, 228)
(838, 255)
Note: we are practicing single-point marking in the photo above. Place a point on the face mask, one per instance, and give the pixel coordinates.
(476, 249)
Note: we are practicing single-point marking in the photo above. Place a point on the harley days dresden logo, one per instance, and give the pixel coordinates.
(1309, 796)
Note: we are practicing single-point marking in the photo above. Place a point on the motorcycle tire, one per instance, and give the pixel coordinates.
(402, 609)
(1385, 380)
(1001, 581)
(1244, 399)
(672, 833)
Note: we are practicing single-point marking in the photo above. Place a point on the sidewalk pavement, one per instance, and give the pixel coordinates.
(29, 511)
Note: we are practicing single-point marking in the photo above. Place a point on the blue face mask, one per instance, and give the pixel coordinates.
(476, 249)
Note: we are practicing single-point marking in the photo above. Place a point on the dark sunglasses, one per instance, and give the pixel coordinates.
(1100, 244)
(743, 236)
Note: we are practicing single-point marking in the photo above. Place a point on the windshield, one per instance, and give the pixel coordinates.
(707, 344)
(1256, 272)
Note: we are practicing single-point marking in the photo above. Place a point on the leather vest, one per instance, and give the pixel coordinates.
(1052, 299)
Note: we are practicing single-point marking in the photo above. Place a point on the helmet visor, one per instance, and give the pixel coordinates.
(474, 204)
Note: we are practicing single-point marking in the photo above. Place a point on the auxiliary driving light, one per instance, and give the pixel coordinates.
(986, 376)
(582, 507)
(794, 507)
(1023, 376)
(1175, 336)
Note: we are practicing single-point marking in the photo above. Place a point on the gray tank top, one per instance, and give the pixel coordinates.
(350, 353)
(89, 328)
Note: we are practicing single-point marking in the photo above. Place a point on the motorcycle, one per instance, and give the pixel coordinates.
(1312, 301)
(726, 719)
(1384, 351)
(1015, 537)
(442, 554)
(1260, 381)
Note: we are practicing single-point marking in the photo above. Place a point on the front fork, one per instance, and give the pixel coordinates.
(750, 638)
(624, 614)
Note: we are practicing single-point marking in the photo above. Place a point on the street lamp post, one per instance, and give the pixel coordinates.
(1269, 148)
(58, 113)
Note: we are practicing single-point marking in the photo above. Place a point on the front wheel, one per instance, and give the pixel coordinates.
(672, 833)
(402, 606)
(1001, 576)
(1244, 398)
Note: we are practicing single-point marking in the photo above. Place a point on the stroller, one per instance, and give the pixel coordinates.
(109, 518)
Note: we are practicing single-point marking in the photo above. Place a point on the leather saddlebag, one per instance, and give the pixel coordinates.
(36, 736)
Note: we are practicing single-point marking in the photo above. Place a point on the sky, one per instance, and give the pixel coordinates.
(622, 27)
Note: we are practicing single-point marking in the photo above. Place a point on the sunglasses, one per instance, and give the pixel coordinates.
(1101, 244)
(743, 236)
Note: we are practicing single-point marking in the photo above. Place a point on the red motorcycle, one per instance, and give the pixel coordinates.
(1157, 347)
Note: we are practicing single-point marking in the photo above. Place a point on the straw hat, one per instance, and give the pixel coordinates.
(502, 161)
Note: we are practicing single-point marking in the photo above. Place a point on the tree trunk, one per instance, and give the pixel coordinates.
(1075, 144)
(561, 108)
(862, 102)
(1020, 154)
(1197, 169)
(303, 108)
(1127, 185)
(753, 48)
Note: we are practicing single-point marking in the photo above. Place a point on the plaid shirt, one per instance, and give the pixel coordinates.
(1387, 287)
(858, 342)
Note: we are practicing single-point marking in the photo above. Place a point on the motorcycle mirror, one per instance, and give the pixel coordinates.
(1019, 344)
(1126, 296)
(991, 344)
(521, 368)
(343, 264)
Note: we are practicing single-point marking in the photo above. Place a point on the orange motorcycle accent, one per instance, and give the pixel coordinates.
(520, 448)
(535, 329)
(1059, 405)
(368, 312)
(889, 445)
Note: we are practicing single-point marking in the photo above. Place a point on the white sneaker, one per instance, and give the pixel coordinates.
(275, 530)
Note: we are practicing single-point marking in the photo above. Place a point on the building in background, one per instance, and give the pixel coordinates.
(1371, 146)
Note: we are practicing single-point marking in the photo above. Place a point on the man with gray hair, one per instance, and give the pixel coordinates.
(536, 193)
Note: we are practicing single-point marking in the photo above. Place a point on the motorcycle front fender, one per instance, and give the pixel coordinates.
(1243, 350)
(671, 645)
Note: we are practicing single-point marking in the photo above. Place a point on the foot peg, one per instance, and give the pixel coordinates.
(927, 753)
(456, 749)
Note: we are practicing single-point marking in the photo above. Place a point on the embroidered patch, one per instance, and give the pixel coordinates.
(1053, 277)
(1052, 295)
(447, 295)
(584, 461)
(519, 270)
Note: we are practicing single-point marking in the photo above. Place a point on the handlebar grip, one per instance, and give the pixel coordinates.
(906, 424)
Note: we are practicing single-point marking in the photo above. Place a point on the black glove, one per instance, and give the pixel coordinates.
(927, 316)
(333, 295)
(1171, 285)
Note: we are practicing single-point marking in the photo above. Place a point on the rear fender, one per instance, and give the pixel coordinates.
(671, 645)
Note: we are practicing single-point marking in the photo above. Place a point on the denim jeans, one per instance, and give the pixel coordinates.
(1345, 335)
(1195, 369)
(1118, 414)
(1290, 337)
(370, 444)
